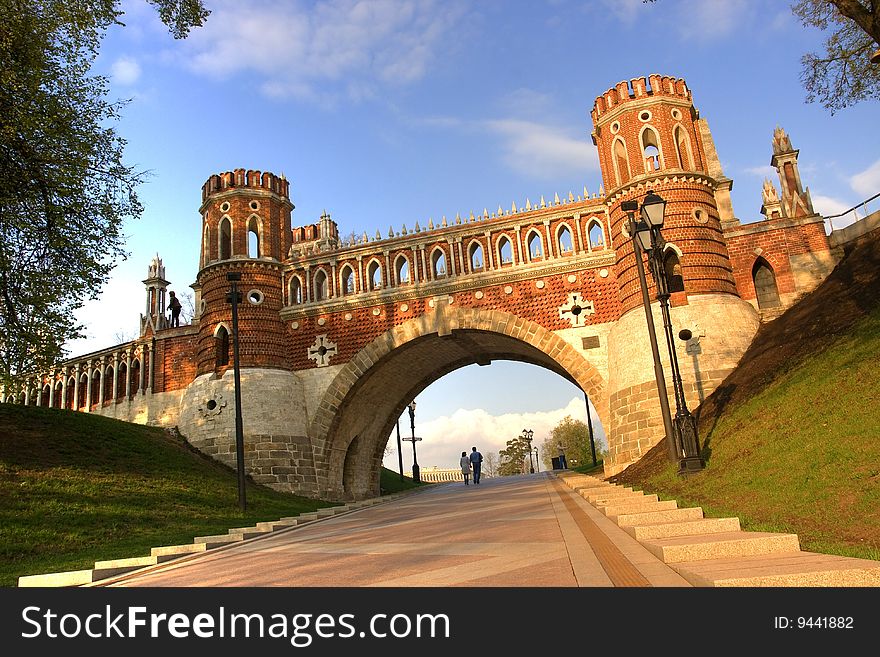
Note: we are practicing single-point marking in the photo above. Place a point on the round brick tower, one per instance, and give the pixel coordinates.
(245, 229)
(651, 138)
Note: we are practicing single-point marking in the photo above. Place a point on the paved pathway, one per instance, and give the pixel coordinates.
(522, 531)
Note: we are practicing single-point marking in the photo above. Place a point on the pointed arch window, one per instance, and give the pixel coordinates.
(206, 246)
(475, 256)
(320, 285)
(254, 237)
(374, 275)
(221, 346)
(683, 148)
(108, 384)
(59, 394)
(225, 239)
(672, 269)
(766, 290)
(347, 279)
(401, 269)
(96, 387)
(564, 240)
(438, 263)
(621, 161)
(651, 150)
(295, 291)
(535, 246)
(120, 381)
(596, 235)
(505, 250)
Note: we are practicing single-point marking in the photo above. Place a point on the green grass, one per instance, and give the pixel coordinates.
(76, 488)
(801, 456)
(389, 482)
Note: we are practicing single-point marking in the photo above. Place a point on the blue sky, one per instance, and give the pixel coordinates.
(390, 112)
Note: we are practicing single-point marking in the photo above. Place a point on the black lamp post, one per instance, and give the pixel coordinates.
(400, 450)
(234, 297)
(412, 422)
(648, 238)
(527, 434)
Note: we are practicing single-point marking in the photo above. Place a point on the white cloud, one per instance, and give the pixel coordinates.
(765, 171)
(828, 205)
(339, 48)
(867, 182)
(704, 20)
(543, 151)
(445, 438)
(125, 71)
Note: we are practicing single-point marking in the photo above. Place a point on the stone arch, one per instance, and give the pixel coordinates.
(347, 280)
(535, 245)
(439, 264)
(374, 274)
(652, 151)
(295, 290)
(766, 285)
(683, 147)
(620, 159)
(254, 236)
(564, 238)
(596, 234)
(224, 238)
(476, 256)
(402, 270)
(393, 369)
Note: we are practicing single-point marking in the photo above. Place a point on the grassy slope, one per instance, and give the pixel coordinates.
(791, 437)
(76, 488)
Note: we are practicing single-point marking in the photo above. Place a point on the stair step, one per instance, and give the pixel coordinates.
(616, 495)
(720, 545)
(589, 489)
(328, 511)
(68, 578)
(654, 517)
(177, 550)
(638, 507)
(791, 569)
(683, 528)
(629, 498)
(113, 567)
(248, 532)
(275, 525)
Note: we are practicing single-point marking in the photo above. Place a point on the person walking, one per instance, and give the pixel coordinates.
(465, 464)
(476, 462)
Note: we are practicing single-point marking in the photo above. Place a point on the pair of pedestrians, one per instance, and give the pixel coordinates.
(473, 462)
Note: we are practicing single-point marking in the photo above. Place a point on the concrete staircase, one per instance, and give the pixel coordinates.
(104, 570)
(715, 551)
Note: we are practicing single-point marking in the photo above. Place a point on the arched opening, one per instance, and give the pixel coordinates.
(621, 161)
(320, 285)
(651, 150)
(206, 246)
(96, 388)
(682, 148)
(475, 256)
(534, 245)
(766, 290)
(356, 422)
(295, 291)
(108, 385)
(59, 393)
(374, 275)
(70, 402)
(254, 238)
(596, 235)
(44, 395)
(566, 245)
(401, 267)
(225, 249)
(121, 378)
(221, 347)
(135, 376)
(438, 263)
(346, 279)
(82, 399)
(672, 269)
(505, 251)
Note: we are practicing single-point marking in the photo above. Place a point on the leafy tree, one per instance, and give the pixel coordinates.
(64, 188)
(846, 72)
(574, 437)
(512, 458)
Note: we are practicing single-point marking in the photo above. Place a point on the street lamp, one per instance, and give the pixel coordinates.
(234, 297)
(683, 442)
(412, 422)
(527, 435)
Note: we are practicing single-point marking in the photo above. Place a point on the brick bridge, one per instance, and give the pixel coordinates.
(337, 336)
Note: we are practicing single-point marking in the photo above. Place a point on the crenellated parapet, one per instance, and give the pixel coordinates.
(653, 86)
(242, 178)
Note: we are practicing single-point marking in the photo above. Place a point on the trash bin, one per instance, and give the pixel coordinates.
(557, 464)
